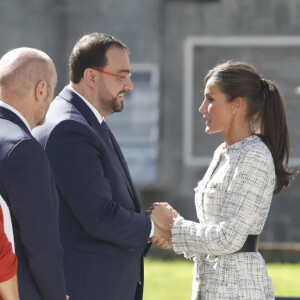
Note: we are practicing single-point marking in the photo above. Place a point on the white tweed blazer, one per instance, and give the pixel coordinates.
(232, 202)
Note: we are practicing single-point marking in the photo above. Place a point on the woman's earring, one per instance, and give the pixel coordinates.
(233, 107)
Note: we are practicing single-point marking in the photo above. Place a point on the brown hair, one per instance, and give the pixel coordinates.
(90, 51)
(264, 104)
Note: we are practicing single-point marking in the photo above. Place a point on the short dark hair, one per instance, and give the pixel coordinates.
(90, 51)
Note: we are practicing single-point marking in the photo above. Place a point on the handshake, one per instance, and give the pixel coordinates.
(163, 215)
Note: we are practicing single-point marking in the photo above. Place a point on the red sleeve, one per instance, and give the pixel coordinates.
(8, 260)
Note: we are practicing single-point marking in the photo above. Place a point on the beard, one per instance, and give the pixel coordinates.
(41, 122)
(110, 104)
(115, 106)
(40, 118)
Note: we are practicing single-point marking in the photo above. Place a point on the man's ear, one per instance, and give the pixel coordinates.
(40, 90)
(89, 77)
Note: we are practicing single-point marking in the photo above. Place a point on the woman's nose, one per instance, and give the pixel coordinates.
(202, 108)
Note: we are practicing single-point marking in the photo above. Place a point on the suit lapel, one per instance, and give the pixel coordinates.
(124, 167)
(89, 116)
(9, 115)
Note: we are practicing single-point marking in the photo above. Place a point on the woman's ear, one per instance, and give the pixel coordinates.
(238, 104)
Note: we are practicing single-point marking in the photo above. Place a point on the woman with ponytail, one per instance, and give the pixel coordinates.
(234, 197)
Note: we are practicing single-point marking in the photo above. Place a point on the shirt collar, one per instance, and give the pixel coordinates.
(88, 103)
(12, 109)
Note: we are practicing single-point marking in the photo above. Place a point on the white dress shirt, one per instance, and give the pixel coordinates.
(88, 103)
(7, 106)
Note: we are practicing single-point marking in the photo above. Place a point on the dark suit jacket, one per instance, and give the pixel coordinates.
(103, 233)
(27, 186)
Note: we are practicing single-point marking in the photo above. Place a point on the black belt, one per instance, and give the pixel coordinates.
(250, 245)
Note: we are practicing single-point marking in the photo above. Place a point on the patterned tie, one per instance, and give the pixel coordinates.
(106, 130)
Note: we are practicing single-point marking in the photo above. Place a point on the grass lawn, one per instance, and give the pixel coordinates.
(172, 279)
(285, 278)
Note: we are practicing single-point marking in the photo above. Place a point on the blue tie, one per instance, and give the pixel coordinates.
(106, 130)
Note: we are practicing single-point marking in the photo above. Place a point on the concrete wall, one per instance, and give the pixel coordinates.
(55, 25)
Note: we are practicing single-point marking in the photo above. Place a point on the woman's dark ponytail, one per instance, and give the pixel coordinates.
(274, 132)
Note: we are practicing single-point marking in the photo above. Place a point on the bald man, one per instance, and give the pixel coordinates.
(27, 82)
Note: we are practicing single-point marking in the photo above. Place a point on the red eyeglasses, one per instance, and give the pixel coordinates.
(120, 76)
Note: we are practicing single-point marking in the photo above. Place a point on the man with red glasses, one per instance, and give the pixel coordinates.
(104, 235)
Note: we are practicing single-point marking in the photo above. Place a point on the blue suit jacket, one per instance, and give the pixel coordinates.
(103, 233)
(27, 186)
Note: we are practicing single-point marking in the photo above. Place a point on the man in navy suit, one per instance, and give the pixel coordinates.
(27, 82)
(104, 235)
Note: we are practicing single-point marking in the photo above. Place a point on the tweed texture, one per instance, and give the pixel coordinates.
(232, 202)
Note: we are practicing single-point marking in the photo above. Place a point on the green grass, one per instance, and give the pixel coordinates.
(172, 279)
(285, 278)
(168, 279)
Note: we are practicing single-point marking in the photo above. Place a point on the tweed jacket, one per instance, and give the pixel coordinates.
(232, 202)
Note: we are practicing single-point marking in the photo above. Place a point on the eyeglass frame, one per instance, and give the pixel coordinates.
(120, 76)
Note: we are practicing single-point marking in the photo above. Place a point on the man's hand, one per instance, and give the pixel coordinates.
(163, 215)
(162, 238)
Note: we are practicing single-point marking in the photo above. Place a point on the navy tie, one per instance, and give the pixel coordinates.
(106, 130)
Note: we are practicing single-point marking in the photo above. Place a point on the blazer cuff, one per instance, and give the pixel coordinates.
(179, 232)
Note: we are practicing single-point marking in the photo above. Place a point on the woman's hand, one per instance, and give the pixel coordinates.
(163, 215)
